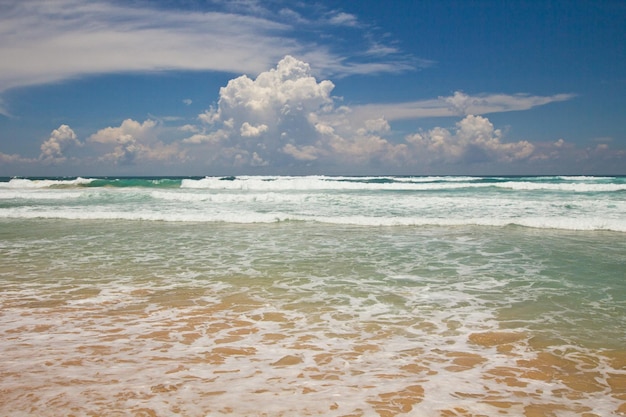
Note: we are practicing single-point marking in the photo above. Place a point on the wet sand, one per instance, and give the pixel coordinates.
(165, 355)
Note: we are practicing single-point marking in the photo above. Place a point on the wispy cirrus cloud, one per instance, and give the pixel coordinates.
(459, 104)
(343, 19)
(43, 41)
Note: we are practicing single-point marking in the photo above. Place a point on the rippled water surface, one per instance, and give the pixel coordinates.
(294, 318)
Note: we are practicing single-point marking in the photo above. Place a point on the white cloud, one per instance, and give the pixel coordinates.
(7, 159)
(43, 41)
(362, 150)
(600, 155)
(343, 19)
(380, 125)
(457, 104)
(285, 115)
(378, 49)
(249, 131)
(304, 153)
(474, 141)
(129, 131)
(52, 150)
(460, 103)
(268, 116)
(285, 90)
(48, 41)
(133, 142)
(189, 128)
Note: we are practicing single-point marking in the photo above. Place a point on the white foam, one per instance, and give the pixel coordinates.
(583, 178)
(578, 223)
(243, 217)
(359, 314)
(38, 194)
(397, 183)
(578, 187)
(334, 200)
(23, 183)
(324, 183)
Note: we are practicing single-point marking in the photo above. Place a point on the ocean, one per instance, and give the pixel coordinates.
(313, 295)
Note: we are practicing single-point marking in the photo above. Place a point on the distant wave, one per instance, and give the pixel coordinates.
(568, 203)
(304, 183)
(16, 183)
(29, 183)
(562, 223)
(584, 184)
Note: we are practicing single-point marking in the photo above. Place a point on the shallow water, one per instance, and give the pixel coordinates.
(115, 317)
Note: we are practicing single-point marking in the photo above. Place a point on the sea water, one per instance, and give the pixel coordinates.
(296, 296)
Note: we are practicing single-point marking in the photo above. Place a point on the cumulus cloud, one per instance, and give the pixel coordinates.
(7, 159)
(362, 143)
(474, 141)
(562, 150)
(286, 116)
(302, 153)
(367, 149)
(132, 142)
(460, 103)
(249, 131)
(52, 150)
(283, 91)
(267, 116)
(380, 125)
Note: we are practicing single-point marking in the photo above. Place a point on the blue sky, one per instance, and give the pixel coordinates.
(215, 87)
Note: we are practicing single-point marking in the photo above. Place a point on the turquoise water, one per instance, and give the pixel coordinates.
(290, 296)
(567, 203)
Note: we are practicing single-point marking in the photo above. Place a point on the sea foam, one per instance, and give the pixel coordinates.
(568, 203)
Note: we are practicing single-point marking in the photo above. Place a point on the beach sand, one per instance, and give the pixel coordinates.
(164, 355)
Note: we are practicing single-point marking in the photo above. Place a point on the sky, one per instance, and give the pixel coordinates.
(276, 87)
